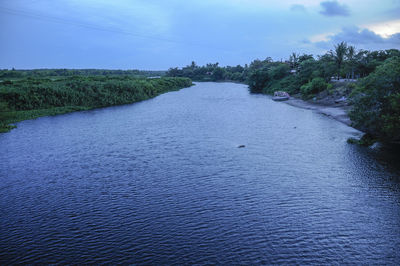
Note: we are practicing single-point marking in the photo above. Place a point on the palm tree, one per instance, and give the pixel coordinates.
(193, 65)
(351, 52)
(294, 60)
(339, 56)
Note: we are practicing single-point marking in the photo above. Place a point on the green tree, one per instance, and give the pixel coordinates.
(258, 80)
(305, 57)
(307, 71)
(294, 60)
(193, 65)
(327, 67)
(377, 102)
(351, 60)
(279, 71)
(339, 55)
(218, 74)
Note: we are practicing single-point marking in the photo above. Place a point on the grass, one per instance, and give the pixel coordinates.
(17, 116)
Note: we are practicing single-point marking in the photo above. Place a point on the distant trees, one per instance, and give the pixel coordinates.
(36, 73)
(267, 76)
(344, 62)
(209, 72)
(193, 65)
(218, 74)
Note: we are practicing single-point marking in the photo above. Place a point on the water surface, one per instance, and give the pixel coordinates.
(163, 182)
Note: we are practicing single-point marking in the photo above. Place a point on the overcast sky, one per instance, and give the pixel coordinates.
(158, 34)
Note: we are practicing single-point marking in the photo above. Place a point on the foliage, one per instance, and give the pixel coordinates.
(366, 140)
(42, 73)
(274, 76)
(30, 98)
(210, 72)
(5, 115)
(339, 55)
(377, 101)
(258, 79)
(267, 76)
(316, 85)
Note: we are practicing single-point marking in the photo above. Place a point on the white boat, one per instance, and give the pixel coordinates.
(281, 96)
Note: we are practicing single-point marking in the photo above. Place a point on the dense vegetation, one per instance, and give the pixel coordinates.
(308, 75)
(33, 97)
(374, 82)
(376, 100)
(210, 72)
(300, 74)
(62, 72)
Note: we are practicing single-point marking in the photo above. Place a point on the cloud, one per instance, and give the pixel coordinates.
(333, 8)
(158, 34)
(298, 8)
(385, 28)
(362, 38)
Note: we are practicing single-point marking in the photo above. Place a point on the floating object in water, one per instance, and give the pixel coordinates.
(241, 146)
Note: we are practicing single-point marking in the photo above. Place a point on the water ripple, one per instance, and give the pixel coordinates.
(163, 182)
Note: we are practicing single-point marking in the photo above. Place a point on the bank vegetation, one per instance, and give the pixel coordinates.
(32, 97)
(369, 81)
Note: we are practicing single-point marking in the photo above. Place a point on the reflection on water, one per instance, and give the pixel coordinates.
(162, 181)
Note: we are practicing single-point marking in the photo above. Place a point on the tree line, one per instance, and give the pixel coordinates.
(375, 96)
(210, 72)
(62, 72)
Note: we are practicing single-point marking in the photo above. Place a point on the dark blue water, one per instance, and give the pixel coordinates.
(163, 182)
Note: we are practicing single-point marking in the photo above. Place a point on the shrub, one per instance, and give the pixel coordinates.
(313, 87)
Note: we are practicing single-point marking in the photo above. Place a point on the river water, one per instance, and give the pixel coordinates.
(164, 182)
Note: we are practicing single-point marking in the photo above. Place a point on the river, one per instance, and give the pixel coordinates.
(164, 182)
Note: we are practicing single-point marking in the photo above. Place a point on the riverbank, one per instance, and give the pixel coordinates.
(31, 98)
(18, 116)
(338, 112)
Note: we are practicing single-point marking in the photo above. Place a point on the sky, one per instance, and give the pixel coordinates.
(159, 34)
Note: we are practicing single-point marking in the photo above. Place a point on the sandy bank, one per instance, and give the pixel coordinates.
(335, 111)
